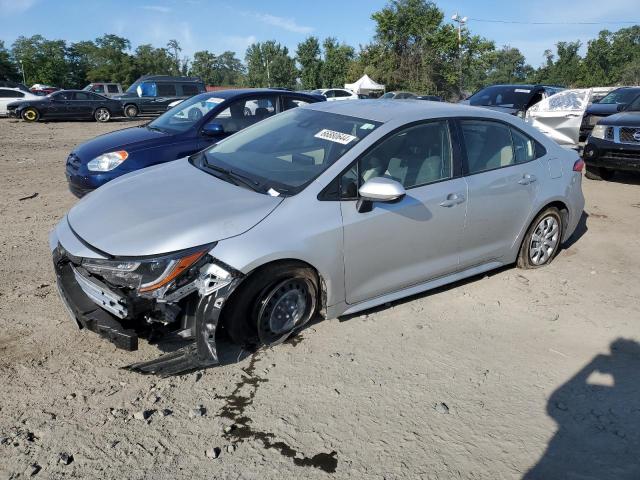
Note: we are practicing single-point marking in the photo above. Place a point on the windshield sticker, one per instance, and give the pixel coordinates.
(333, 136)
(215, 100)
(273, 193)
(522, 90)
(367, 126)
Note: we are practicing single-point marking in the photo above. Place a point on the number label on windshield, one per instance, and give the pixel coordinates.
(333, 136)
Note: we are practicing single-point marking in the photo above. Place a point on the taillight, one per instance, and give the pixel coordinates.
(578, 166)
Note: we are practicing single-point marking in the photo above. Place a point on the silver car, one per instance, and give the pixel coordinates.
(324, 210)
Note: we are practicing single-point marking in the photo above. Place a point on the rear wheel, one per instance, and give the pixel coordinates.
(102, 115)
(30, 115)
(598, 173)
(271, 304)
(131, 111)
(542, 241)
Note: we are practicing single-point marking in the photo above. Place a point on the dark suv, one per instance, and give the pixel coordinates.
(151, 94)
(618, 100)
(614, 144)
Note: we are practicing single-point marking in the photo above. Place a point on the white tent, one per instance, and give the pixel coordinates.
(365, 85)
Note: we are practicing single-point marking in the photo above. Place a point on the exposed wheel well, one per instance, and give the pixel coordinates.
(322, 292)
(564, 213)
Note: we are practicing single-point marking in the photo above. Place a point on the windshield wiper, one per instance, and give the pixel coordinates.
(235, 177)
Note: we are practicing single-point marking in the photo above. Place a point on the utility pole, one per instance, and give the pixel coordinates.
(461, 21)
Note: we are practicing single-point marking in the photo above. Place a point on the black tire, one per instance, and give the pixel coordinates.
(102, 115)
(130, 111)
(249, 313)
(30, 115)
(598, 173)
(525, 258)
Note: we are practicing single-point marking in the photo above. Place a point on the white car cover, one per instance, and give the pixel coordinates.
(559, 116)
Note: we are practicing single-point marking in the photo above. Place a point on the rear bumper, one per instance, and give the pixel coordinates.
(615, 156)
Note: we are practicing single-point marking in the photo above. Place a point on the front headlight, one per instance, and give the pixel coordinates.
(107, 161)
(145, 275)
(598, 131)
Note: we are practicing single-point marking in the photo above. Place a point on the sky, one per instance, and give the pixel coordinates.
(219, 25)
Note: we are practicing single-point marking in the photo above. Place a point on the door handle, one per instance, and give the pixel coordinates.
(452, 200)
(527, 179)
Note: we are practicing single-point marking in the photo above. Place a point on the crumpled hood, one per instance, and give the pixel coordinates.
(166, 208)
(125, 139)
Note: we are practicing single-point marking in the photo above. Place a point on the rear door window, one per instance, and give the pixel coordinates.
(83, 96)
(488, 145)
(166, 90)
(188, 89)
(290, 102)
(112, 88)
(245, 112)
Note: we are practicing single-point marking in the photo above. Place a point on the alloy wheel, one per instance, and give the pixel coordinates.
(544, 240)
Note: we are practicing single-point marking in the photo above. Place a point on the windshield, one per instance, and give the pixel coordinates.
(502, 96)
(184, 115)
(621, 95)
(286, 152)
(388, 95)
(133, 88)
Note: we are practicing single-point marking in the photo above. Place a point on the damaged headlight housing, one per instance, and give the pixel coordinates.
(146, 276)
(107, 161)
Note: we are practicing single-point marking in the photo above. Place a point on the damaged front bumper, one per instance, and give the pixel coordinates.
(193, 309)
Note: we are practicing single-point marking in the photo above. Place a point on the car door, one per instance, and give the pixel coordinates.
(503, 174)
(7, 96)
(167, 93)
(560, 116)
(58, 106)
(407, 242)
(81, 105)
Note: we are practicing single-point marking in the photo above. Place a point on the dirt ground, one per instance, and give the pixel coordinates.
(514, 372)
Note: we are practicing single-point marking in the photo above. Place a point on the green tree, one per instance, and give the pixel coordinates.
(8, 68)
(80, 60)
(337, 60)
(308, 57)
(153, 61)
(224, 69)
(174, 47)
(111, 61)
(506, 65)
(269, 65)
(44, 60)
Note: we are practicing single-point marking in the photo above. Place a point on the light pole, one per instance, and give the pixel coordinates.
(461, 21)
(24, 79)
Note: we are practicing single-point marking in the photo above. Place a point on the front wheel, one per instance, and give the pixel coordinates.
(131, 111)
(272, 304)
(598, 173)
(542, 241)
(102, 115)
(30, 115)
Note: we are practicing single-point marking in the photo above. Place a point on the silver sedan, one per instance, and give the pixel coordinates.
(323, 210)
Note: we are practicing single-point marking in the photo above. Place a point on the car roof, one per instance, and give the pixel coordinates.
(226, 94)
(382, 110)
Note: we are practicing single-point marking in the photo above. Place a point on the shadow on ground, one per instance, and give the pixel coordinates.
(598, 417)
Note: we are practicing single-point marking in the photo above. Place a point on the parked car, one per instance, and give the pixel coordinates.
(431, 98)
(9, 95)
(105, 88)
(333, 94)
(152, 94)
(10, 84)
(616, 101)
(398, 96)
(614, 144)
(190, 126)
(66, 104)
(292, 218)
(43, 90)
(512, 99)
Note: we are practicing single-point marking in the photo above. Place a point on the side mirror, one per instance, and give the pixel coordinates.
(212, 130)
(622, 107)
(379, 189)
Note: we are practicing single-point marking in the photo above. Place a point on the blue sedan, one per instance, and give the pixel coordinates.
(189, 127)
